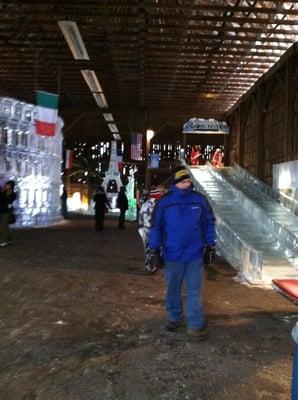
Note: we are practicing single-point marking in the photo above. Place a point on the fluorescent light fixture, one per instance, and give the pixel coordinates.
(113, 128)
(91, 80)
(103, 99)
(74, 40)
(108, 117)
(100, 100)
(116, 136)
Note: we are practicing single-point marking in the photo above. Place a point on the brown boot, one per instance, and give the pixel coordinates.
(198, 334)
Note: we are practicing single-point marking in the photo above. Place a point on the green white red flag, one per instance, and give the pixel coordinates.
(46, 113)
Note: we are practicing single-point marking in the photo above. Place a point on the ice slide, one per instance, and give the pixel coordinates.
(256, 234)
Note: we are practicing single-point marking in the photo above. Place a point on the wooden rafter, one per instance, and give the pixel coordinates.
(163, 59)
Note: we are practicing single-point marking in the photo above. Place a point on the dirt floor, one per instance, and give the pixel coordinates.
(80, 320)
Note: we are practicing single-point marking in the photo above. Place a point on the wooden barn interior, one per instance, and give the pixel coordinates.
(159, 63)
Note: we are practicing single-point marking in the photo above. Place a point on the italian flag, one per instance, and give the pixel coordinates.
(46, 113)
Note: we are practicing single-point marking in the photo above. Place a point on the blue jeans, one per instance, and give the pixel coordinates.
(193, 274)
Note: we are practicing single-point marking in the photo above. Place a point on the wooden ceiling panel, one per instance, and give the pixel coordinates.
(159, 62)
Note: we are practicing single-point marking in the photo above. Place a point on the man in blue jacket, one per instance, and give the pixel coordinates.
(183, 227)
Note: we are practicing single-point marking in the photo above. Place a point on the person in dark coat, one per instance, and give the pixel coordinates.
(100, 203)
(122, 204)
(63, 199)
(7, 197)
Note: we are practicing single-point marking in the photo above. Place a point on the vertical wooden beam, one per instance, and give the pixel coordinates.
(234, 156)
(259, 134)
(66, 181)
(147, 148)
(142, 41)
(230, 122)
(244, 112)
(241, 134)
(294, 109)
(235, 137)
(185, 146)
(289, 115)
(227, 149)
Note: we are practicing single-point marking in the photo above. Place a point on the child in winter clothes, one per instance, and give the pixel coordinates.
(145, 222)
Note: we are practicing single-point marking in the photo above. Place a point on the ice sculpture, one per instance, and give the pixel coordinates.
(131, 213)
(112, 184)
(112, 180)
(33, 161)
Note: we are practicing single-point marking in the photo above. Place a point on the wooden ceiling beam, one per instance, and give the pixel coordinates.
(58, 45)
(23, 27)
(163, 56)
(131, 4)
(220, 29)
(67, 7)
(160, 37)
(153, 20)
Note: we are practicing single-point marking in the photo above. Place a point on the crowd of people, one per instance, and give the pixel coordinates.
(196, 157)
(102, 205)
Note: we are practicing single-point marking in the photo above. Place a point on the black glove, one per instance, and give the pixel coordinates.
(155, 259)
(209, 254)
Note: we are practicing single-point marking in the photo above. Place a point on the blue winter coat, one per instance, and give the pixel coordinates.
(182, 224)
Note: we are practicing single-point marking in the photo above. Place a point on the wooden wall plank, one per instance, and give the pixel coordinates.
(268, 121)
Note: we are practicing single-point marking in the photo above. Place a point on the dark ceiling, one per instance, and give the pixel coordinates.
(159, 62)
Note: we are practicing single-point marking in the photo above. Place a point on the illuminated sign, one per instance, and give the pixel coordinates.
(205, 126)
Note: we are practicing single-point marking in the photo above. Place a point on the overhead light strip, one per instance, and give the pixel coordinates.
(77, 47)
(113, 128)
(108, 117)
(91, 80)
(100, 100)
(74, 40)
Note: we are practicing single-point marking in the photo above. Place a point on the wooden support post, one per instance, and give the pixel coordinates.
(287, 116)
(66, 181)
(185, 146)
(260, 135)
(230, 156)
(147, 152)
(227, 149)
(236, 139)
(147, 164)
